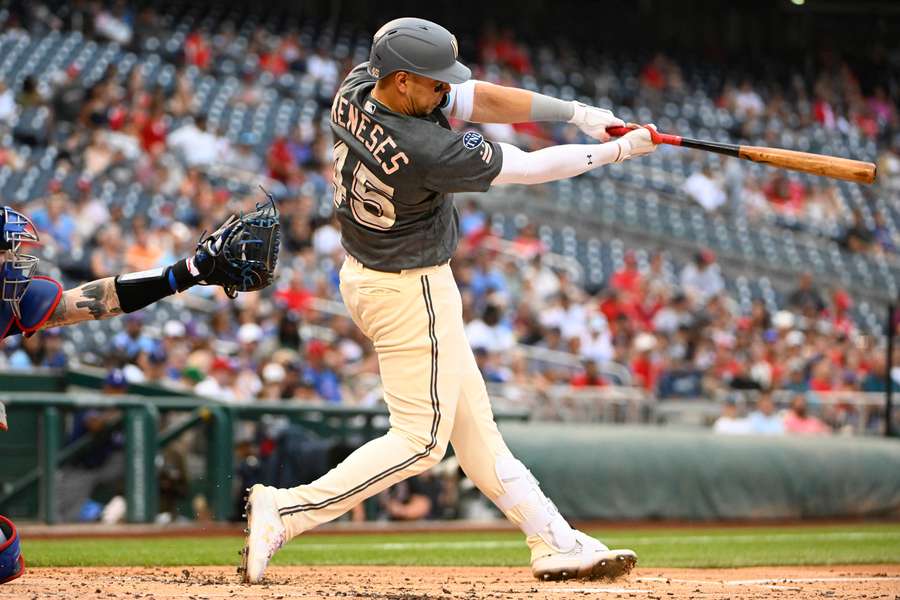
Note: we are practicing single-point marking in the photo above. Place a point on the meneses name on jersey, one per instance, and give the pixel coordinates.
(369, 133)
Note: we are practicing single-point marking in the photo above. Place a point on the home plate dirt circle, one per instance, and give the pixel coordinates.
(450, 583)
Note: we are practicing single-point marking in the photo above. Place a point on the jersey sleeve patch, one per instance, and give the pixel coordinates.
(472, 139)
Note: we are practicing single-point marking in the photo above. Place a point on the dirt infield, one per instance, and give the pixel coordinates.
(446, 583)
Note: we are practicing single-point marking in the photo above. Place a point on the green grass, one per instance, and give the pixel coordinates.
(700, 547)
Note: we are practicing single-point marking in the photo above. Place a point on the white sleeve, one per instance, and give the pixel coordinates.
(553, 163)
(460, 100)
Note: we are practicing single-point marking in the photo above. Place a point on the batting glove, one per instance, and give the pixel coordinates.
(636, 142)
(594, 121)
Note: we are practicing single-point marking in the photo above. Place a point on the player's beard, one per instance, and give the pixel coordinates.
(421, 111)
(425, 108)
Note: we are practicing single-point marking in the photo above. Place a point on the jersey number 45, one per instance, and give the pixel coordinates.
(371, 200)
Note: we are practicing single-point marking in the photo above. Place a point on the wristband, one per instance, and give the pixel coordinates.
(545, 108)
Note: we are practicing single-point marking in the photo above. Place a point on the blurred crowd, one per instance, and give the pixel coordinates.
(766, 419)
(679, 333)
(672, 325)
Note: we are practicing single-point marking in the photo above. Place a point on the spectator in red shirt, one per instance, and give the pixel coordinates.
(272, 60)
(628, 278)
(504, 50)
(821, 379)
(727, 368)
(295, 297)
(842, 320)
(611, 305)
(798, 420)
(653, 74)
(864, 119)
(281, 163)
(588, 377)
(511, 53)
(153, 127)
(196, 50)
(528, 244)
(784, 195)
(117, 117)
(823, 112)
(645, 303)
(644, 366)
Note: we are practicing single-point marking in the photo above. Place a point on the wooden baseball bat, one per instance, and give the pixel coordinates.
(817, 164)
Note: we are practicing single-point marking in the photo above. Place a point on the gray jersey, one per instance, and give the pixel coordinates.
(393, 176)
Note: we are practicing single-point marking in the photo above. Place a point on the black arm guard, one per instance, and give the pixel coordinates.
(137, 290)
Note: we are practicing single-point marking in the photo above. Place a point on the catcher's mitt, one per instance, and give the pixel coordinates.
(242, 253)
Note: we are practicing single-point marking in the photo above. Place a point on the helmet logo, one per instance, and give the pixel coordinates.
(455, 46)
(376, 72)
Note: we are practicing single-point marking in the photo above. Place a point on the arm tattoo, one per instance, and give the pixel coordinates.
(93, 300)
(58, 316)
(96, 298)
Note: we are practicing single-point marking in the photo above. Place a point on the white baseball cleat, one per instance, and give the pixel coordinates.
(589, 559)
(265, 533)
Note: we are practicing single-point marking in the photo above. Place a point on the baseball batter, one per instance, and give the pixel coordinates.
(29, 302)
(396, 162)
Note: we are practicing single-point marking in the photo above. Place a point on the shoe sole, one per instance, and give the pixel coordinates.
(605, 568)
(245, 551)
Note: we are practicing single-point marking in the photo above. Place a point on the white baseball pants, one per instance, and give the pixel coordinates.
(433, 389)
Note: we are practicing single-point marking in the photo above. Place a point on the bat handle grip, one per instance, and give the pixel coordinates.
(658, 138)
(617, 130)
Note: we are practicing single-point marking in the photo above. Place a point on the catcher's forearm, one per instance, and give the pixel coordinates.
(90, 301)
(112, 296)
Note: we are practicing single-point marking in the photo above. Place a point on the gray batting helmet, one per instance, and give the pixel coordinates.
(417, 46)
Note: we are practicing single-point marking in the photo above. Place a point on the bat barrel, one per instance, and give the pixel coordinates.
(816, 164)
